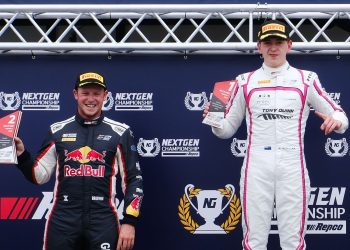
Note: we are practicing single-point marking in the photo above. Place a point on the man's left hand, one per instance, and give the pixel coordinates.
(329, 123)
(126, 237)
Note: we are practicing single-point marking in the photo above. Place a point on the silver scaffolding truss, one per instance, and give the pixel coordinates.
(168, 29)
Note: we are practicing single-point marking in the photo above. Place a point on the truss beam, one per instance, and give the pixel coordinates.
(168, 29)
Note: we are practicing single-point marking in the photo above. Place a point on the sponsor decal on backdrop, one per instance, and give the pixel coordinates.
(335, 96)
(214, 212)
(9, 101)
(175, 147)
(108, 103)
(37, 208)
(196, 102)
(41, 101)
(326, 212)
(238, 147)
(149, 147)
(134, 101)
(30, 101)
(336, 148)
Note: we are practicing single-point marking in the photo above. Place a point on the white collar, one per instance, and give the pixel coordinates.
(275, 71)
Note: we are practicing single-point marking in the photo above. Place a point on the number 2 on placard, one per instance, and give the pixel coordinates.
(12, 119)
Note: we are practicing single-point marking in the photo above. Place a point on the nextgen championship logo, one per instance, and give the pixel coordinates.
(210, 205)
(326, 212)
(168, 147)
(129, 102)
(336, 148)
(30, 101)
(335, 96)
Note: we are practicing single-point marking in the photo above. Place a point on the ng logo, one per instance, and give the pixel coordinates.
(209, 203)
(148, 148)
(238, 147)
(195, 102)
(336, 148)
(9, 101)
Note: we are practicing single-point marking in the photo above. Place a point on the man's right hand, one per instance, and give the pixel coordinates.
(206, 109)
(329, 123)
(19, 146)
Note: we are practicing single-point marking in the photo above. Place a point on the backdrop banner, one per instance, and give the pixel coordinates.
(191, 178)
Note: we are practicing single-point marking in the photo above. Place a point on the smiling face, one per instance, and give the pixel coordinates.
(274, 51)
(90, 100)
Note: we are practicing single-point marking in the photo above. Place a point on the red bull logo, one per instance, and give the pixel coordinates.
(84, 170)
(84, 155)
(134, 207)
(75, 155)
(136, 203)
(95, 156)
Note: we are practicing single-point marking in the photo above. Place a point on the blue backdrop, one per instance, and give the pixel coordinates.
(167, 84)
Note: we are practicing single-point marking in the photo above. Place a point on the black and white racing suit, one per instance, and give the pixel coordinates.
(276, 104)
(86, 158)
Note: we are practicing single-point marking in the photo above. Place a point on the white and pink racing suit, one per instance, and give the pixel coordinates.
(276, 103)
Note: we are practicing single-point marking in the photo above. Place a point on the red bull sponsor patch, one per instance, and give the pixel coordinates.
(75, 155)
(84, 170)
(85, 155)
(134, 207)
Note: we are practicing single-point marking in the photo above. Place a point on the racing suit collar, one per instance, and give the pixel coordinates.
(275, 71)
(84, 122)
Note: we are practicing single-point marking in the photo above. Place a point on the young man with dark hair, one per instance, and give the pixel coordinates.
(275, 100)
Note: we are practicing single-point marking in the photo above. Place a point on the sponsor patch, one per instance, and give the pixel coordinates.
(264, 81)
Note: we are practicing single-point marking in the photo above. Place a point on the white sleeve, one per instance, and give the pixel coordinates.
(319, 99)
(45, 164)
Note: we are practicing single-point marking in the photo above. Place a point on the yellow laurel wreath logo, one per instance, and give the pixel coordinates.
(184, 211)
(191, 226)
(235, 211)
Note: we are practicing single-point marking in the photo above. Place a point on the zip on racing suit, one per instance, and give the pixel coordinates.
(276, 103)
(86, 158)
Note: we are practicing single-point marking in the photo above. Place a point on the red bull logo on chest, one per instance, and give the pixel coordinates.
(84, 170)
(84, 155)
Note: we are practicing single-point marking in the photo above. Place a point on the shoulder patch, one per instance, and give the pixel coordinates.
(243, 78)
(59, 125)
(309, 76)
(118, 127)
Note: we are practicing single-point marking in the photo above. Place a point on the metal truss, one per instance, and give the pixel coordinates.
(168, 29)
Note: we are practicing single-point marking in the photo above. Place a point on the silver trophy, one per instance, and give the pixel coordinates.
(148, 148)
(195, 101)
(11, 101)
(340, 147)
(209, 207)
(238, 147)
